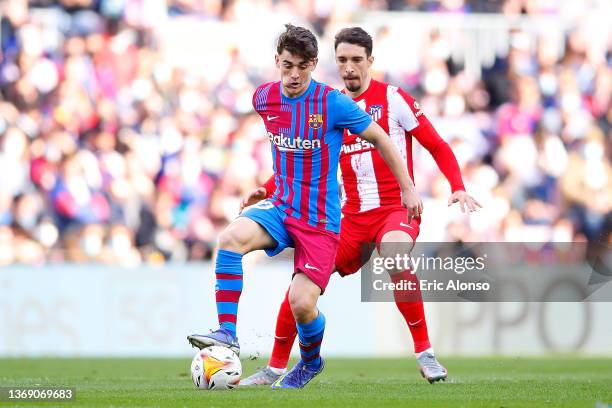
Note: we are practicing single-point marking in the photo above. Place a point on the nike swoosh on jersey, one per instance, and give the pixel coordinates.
(311, 267)
(272, 117)
(406, 225)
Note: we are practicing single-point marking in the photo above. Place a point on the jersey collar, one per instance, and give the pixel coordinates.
(309, 90)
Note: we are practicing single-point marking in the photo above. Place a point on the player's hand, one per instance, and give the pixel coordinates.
(254, 196)
(465, 201)
(411, 200)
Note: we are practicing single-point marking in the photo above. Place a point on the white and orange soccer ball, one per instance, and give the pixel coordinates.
(216, 368)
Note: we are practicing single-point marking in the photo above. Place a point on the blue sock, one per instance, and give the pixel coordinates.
(228, 271)
(311, 336)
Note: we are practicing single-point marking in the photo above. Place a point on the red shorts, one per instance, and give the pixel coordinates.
(315, 251)
(359, 230)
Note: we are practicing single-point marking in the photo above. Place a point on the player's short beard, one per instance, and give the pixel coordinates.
(353, 88)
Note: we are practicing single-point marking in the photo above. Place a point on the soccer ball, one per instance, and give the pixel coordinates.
(216, 368)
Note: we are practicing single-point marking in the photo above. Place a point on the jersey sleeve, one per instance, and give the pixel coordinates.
(346, 113)
(429, 138)
(254, 100)
(260, 97)
(270, 186)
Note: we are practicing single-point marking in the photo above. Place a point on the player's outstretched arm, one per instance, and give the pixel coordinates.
(444, 157)
(410, 198)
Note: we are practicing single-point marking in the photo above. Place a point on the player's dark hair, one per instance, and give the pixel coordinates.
(356, 36)
(298, 41)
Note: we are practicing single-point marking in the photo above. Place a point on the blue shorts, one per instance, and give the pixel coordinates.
(315, 249)
(272, 219)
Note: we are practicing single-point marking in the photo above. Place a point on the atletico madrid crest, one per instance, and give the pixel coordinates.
(376, 112)
(315, 120)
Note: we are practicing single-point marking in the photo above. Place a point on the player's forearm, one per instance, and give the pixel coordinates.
(441, 152)
(447, 163)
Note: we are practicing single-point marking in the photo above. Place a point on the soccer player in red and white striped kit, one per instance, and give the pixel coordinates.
(372, 211)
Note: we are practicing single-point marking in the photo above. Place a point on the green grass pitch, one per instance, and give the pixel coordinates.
(472, 382)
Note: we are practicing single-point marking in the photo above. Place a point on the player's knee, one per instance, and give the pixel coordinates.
(230, 239)
(393, 250)
(399, 252)
(400, 237)
(303, 307)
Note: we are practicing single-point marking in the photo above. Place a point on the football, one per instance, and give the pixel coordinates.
(216, 368)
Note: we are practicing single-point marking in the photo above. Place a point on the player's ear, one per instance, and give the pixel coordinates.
(315, 61)
(370, 60)
(277, 60)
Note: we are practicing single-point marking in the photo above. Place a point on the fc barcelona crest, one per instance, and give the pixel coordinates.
(315, 120)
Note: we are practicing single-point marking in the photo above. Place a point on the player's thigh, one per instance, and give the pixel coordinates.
(315, 251)
(397, 236)
(352, 253)
(245, 235)
(355, 247)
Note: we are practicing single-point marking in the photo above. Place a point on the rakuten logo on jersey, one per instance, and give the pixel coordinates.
(286, 143)
(358, 146)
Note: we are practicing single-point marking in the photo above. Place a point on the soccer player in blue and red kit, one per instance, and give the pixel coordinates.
(372, 212)
(305, 121)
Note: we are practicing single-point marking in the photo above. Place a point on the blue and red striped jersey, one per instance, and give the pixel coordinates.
(306, 135)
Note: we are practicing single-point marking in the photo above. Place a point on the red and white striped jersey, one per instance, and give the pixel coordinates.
(368, 181)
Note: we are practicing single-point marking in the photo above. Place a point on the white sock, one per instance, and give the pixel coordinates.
(277, 371)
(429, 350)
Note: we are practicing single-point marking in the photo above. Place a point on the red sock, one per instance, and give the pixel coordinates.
(410, 305)
(284, 336)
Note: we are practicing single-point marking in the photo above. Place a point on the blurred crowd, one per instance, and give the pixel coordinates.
(114, 149)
